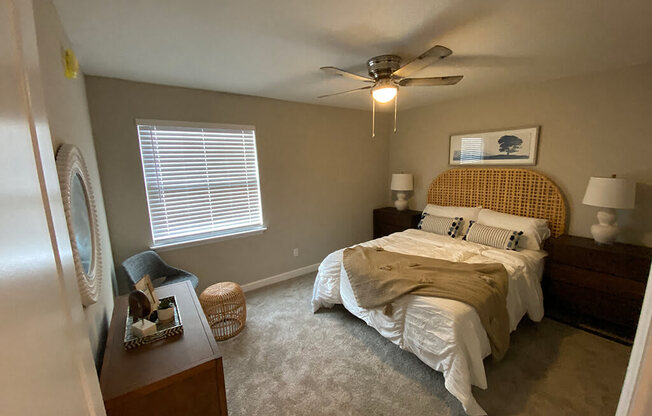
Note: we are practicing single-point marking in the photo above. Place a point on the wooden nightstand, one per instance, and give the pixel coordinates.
(598, 288)
(390, 220)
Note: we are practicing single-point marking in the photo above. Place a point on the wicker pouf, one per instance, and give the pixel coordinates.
(225, 308)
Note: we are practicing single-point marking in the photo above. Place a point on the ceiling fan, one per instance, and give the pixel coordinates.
(387, 75)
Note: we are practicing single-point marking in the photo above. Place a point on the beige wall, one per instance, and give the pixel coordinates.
(591, 125)
(321, 175)
(69, 121)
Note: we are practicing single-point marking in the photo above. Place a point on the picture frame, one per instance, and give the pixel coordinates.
(502, 147)
(145, 285)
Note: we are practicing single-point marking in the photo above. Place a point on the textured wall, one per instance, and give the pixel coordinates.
(321, 176)
(591, 125)
(69, 121)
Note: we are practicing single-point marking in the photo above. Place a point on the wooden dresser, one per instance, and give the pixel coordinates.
(178, 376)
(390, 220)
(599, 288)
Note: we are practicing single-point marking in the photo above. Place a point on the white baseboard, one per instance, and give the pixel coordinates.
(279, 277)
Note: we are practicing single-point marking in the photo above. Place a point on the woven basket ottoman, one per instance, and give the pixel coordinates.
(225, 308)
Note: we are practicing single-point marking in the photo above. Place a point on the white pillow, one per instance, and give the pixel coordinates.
(535, 230)
(468, 213)
(493, 236)
(440, 225)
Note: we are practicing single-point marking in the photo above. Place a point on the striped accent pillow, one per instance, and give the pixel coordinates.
(440, 225)
(493, 236)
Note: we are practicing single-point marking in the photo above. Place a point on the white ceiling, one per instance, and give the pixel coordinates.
(275, 48)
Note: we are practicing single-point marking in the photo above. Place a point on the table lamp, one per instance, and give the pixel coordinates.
(401, 182)
(609, 194)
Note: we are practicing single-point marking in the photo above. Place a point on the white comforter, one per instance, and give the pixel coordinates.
(445, 334)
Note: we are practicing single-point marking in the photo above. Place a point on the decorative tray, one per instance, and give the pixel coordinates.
(163, 330)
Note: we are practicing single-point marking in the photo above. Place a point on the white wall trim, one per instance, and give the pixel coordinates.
(208, 240)
(279, 277)
(634, 397)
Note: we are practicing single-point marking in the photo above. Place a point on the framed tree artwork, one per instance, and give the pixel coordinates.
(504, 147)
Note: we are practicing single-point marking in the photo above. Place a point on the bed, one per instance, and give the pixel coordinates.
(446, 334)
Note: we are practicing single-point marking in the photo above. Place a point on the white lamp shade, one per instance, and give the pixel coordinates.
(610, 193)
(402, 182)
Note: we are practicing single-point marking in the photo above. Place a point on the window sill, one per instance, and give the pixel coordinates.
(208, 240)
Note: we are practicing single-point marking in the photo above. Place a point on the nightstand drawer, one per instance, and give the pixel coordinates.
(381, 230)
(598, 305)
(388, 217)
(596, 287)
(631, 262)
(591, 281)
(389, 220)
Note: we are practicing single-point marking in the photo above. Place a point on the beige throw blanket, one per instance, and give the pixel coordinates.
(379, 277)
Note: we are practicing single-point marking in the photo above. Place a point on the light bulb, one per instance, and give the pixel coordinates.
(384, 94)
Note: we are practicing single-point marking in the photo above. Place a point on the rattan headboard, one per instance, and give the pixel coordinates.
(513, 191)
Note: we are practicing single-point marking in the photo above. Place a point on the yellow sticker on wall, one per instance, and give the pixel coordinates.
(70, 63)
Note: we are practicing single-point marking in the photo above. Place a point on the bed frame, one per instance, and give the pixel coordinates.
(513, 191)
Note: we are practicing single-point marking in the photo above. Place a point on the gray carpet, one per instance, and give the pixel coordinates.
(289, 361)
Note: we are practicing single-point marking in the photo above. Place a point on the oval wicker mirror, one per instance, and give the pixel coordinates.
(81, 216)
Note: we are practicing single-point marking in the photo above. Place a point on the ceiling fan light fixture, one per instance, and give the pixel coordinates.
(384, 93)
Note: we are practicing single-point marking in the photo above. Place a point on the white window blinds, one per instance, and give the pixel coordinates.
(201, 180)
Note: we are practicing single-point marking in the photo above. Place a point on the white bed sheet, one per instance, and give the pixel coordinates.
(445, 334)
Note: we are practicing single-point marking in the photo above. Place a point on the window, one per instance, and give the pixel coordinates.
(201, 180)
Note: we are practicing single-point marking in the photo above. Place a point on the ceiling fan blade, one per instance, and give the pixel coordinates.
(342, 73)
(428, 82)
(346, 92)
(429, 57)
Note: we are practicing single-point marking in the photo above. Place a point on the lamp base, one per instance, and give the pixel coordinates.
(606, 231)
(401, 202)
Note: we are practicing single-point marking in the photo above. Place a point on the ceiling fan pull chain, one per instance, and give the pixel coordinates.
(395, 109)
(373, 117)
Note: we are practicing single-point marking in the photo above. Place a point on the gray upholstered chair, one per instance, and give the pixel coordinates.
(148, 262)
